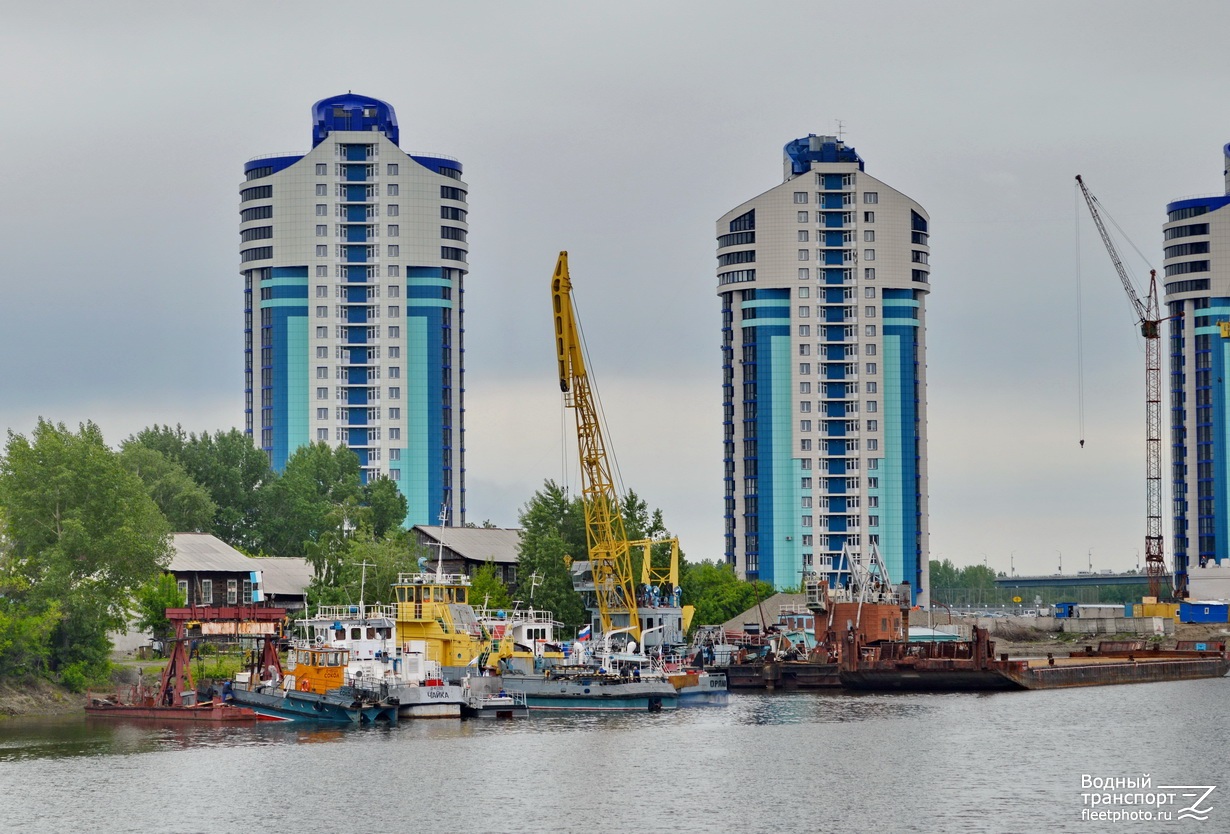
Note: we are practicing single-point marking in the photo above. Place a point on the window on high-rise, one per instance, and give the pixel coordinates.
(802, 217)
(322, 312)
(394, 413)
(804, 312)
(322, 189)
(394, 230)
(871, 405)
(394, 251)
(392, 210)
(869, 330)
(322, 231)
(871, 197)
(322, 393)
(804, 387)
(871, 367)
(322, 414)
(805, 330)
(392, 169)
(869, 236)
(394, 433)
(391, 189)
(869, 217)
(871, 388)
(803, 254)
(804, 369)
(804, 292)
(322, 333)
(394, 393)
(800, 197)
(803, 236)
(322, 210)
(804, 273)
(394, 332)
(322, 169)
(322, 270)
(322, 434)
(869, 254)
(869, 312)
(873, 425)
(869, 292)
(322, 291)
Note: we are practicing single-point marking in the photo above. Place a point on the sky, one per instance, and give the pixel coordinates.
(621, 132)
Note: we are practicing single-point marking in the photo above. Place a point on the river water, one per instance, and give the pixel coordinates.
(767, 762)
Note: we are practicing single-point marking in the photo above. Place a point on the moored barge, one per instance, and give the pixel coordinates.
(971, 665)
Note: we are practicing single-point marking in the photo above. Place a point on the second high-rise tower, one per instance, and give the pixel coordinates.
(823, 281)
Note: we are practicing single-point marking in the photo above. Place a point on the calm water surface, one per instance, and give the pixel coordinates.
(773, 763)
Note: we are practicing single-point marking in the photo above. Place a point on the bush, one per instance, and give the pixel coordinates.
(74, 677)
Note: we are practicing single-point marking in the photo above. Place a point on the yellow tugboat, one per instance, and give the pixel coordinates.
(434, 608)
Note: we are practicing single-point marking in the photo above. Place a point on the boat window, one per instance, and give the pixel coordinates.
(333, 658)
(401, 594)
(371, 633)
(418, 594)
(438, 594)
(461, 595)
(339, 633)
(356, 633)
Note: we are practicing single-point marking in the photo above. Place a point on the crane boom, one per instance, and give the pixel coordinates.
(604, 525)
(1148, 311)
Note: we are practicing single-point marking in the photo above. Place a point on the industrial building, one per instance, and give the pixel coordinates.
(353, 257)
(823, 281)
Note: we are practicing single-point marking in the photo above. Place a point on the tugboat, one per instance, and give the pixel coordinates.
(397, 673)
(313, 689)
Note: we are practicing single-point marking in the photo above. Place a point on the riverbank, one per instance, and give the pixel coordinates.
(37, 697)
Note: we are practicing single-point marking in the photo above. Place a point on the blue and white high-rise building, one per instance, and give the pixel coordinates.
(823, 281)
(1197, 296)
(353, 257)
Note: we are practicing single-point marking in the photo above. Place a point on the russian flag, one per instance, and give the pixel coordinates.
(583, 634)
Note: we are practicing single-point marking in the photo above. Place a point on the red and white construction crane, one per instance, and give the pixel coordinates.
(1149, 313)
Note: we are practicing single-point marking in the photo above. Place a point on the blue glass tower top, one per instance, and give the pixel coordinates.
(352, 112)
(812, 148)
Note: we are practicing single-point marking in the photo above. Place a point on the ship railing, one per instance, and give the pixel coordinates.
(419, 578)
(353, 612)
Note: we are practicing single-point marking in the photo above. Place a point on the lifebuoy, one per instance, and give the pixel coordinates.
(305, 684)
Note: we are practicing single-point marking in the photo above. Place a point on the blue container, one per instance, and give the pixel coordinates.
(1204, 612)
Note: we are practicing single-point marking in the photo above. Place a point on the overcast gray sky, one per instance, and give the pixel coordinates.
(620, 132)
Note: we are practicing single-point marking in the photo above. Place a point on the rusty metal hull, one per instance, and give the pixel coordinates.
(209, 713)
(1117, 671)
(927, 679)
(789, 675)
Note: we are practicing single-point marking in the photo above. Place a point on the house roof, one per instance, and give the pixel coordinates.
(284, 575)
(476, 544)
(203, 552)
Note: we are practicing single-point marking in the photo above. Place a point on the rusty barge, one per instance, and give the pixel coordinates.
(971, 665)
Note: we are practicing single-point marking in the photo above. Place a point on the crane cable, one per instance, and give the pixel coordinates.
(1080, 335)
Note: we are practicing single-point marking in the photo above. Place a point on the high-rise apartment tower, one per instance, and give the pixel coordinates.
(353, 259)
(1197, 280)
(823, 281)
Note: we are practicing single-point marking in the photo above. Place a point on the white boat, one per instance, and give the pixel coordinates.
(377, 662)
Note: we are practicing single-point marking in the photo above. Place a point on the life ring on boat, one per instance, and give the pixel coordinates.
(305, 684)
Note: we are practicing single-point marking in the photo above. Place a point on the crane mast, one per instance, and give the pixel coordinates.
(605, 535)
(1148, 311)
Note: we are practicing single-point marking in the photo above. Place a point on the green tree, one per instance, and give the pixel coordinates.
(317, 494)
(365, 569)
(232, 470)
(185, 503)
(488, 590)
(83, 535)
(153, 599)
(386, 506)
(718, 593)
(552, 535)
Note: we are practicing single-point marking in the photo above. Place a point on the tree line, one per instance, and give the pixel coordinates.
(85, 538)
